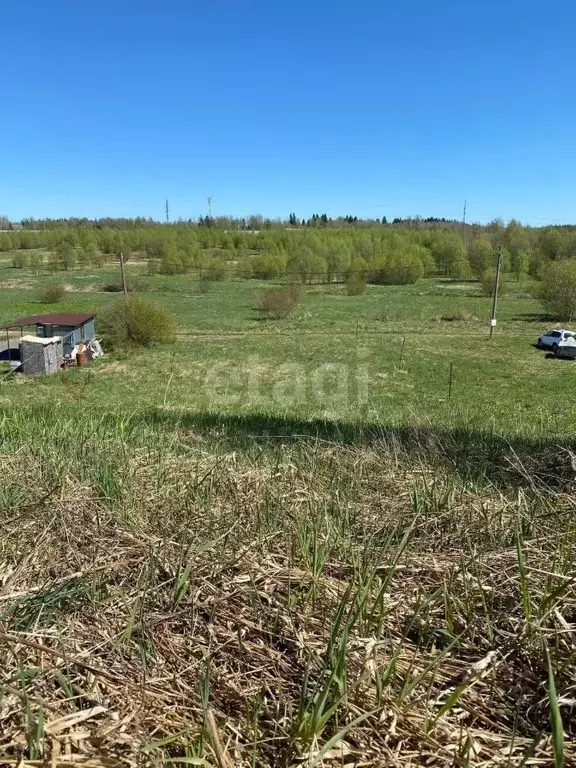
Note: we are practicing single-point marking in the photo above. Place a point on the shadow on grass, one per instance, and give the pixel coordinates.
(473, 454)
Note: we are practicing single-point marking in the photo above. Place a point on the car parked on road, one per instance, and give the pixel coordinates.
(554, 339)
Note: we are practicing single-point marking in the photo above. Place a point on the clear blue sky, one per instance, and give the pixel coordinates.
(367, 107)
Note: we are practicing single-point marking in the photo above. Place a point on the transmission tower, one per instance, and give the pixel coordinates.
(167, 213)
(464, 237)
(209, 201)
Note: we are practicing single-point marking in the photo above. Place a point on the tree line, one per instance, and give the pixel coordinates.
(386, 254)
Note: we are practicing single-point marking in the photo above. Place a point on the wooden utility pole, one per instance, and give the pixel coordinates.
(495, 296)
(124, 286)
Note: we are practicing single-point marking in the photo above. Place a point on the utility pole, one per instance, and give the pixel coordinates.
(209, 200)
(495, 296)
(464, 224)
(124, 286)
(167, 213)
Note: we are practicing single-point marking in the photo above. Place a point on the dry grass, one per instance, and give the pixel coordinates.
(169, 601)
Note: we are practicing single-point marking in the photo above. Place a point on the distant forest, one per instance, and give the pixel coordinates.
(257, 222)
(317, 249)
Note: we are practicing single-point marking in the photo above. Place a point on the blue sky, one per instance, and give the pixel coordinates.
(371, 108)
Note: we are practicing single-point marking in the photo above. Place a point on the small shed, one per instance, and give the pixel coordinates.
(41, 356)
(72, 327)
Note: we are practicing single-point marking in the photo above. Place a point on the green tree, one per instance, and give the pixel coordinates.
(559, 289)
(450, 255)
(401, 269)
(520, 263)
(550, 243)
(337, 259)
(215, 270)
(307, 266)
(268, 266)
(516, 237)
(36, 261)
(480, 255)
(66, 255)
(173, 261)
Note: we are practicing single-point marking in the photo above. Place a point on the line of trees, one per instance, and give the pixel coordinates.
(380, 253)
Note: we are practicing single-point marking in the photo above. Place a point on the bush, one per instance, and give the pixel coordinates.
(487, 283)
(214, 271)
(559, 289)
(400, 271)
(50, 293)
(458, 317)
(135, 322)
(133, 286)
(355, 284)
(279, 302)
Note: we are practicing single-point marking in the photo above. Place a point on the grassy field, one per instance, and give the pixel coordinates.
(396, 344)
(291, 543)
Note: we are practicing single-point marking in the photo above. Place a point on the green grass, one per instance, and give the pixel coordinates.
(222, 552)
(392, 342)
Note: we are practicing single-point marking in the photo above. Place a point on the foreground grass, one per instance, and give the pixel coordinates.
(213, 555)
(187, 590)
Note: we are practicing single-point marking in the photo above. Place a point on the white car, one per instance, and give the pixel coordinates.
(554, 339)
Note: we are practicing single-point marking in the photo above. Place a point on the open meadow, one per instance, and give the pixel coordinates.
(345, 537)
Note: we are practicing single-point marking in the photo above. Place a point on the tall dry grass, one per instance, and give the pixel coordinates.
(167, 597)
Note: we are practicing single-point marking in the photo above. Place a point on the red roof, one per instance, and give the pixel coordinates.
(68, 319)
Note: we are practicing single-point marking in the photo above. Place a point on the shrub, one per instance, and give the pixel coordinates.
(214, 271)
(133, 286)
(458, 317)
(401, 271)
(559, 289)
(135, 322)
(268, 266)
(355, 284)
(50, 293)
(36, 261)
(279, 302)
(487, 283)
